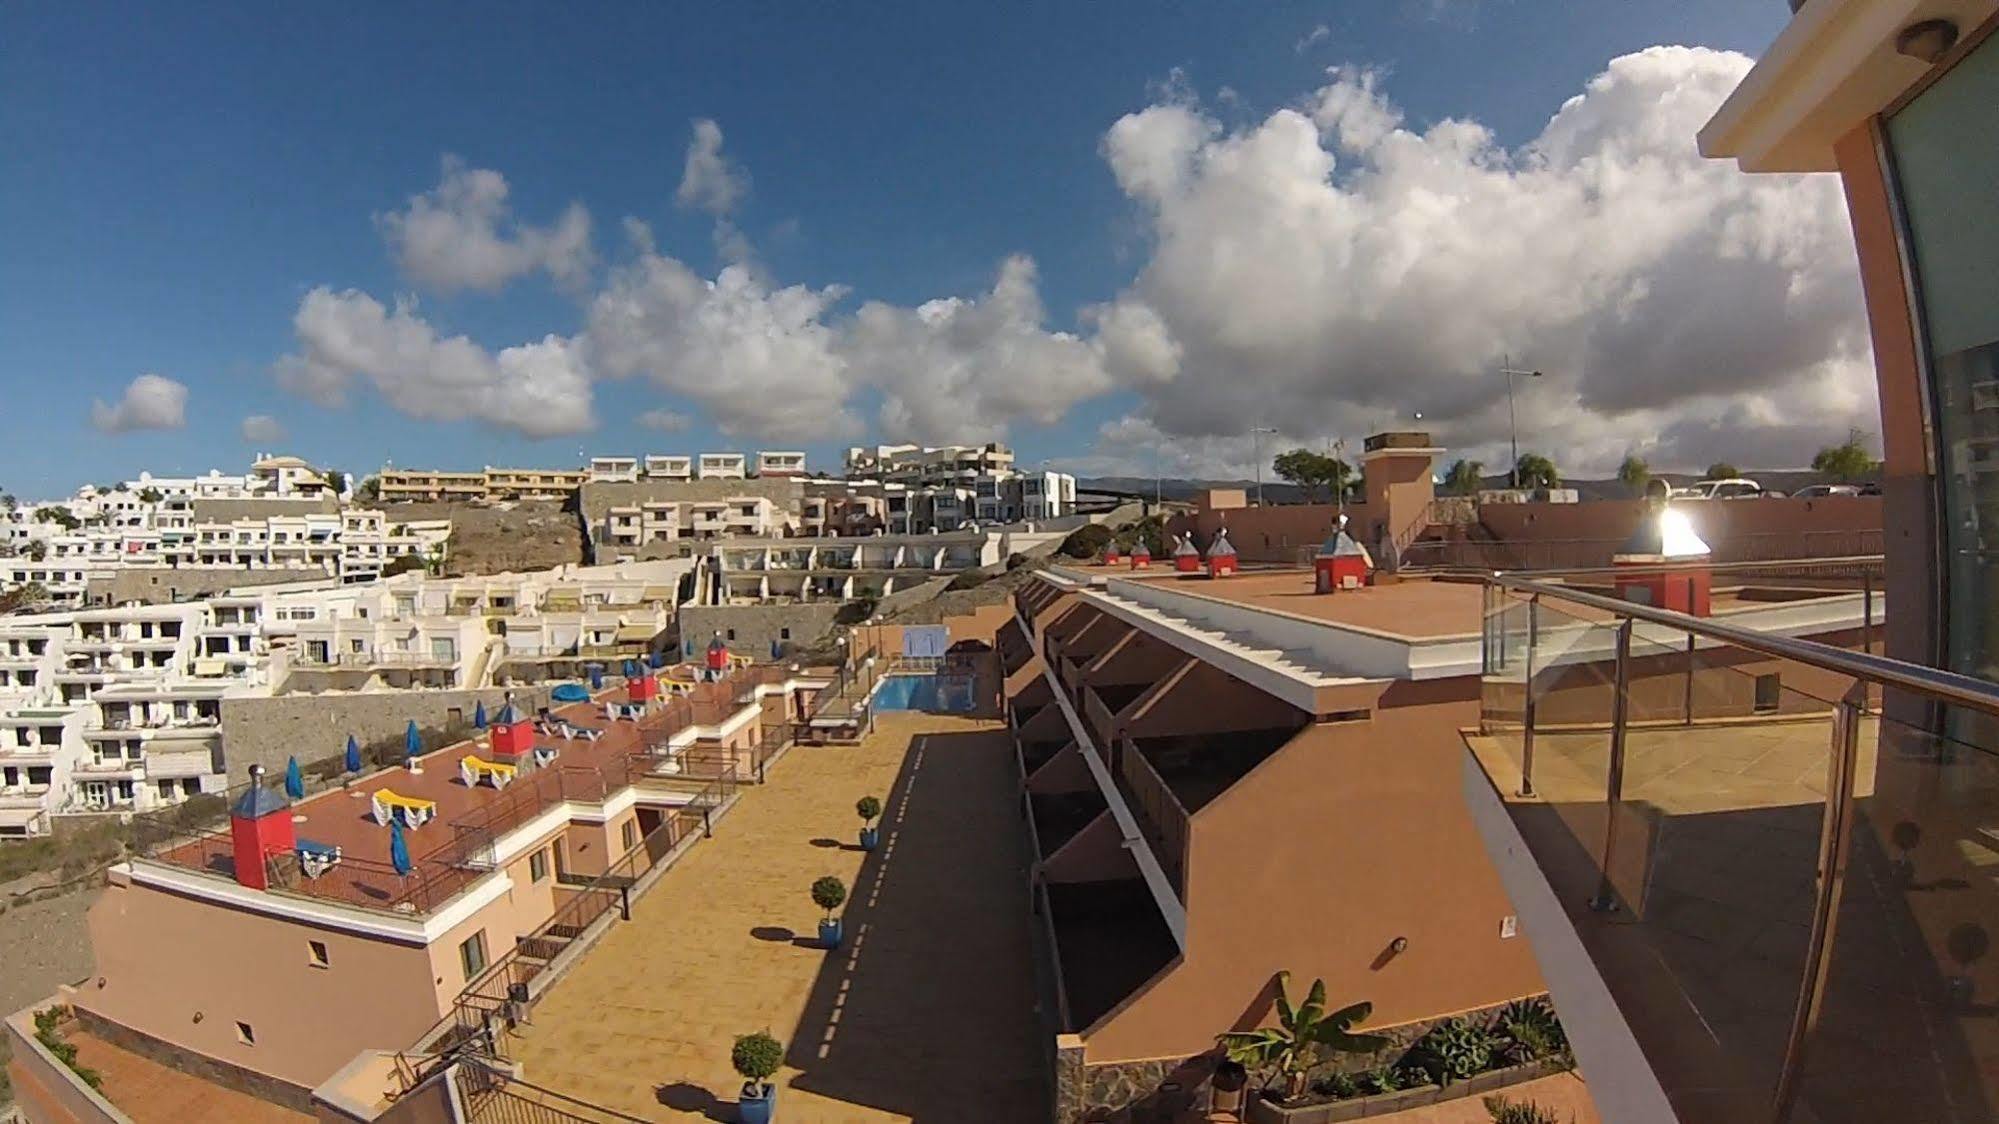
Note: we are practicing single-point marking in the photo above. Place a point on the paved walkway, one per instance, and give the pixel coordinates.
(925, 1014)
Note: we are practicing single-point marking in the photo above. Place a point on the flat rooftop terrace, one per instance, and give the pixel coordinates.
(926, 1012)
(1414, 607)
(582, 769)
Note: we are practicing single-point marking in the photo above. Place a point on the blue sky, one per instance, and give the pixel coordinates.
(179, 180)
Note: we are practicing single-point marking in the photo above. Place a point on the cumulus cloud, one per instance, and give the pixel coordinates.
(1330, 269)
(262, 429)
(462, 234)
(710, 182)
(759, 360)
(955, 368)
(149, 402)
(538, 389)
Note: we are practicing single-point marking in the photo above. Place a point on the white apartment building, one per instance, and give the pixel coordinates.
(780, 463)
(722, 466)
(918, 465)
(119, 710)
(416, 632)
(669, 466)
(613, 470)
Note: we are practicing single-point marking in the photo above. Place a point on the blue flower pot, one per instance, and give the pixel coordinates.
(757, 1109)
(829, 933)
(870, 838)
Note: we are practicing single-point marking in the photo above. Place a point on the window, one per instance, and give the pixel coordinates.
(246, 1034)
(1769, 692)
(784, 634)
(472, 955)
(629, 834)
(316, 954)
(732, 634)
(538, 866)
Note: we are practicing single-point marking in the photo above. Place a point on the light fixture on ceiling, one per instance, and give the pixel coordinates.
(1927, 40)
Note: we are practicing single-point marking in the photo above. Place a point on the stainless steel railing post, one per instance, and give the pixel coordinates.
(1835, 830)
(1613, 796)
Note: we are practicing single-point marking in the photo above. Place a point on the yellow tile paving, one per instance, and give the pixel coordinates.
(926, 1013)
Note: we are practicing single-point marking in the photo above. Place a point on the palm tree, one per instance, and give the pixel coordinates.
(1463, 478)
(1634, 473)
(1533, 470)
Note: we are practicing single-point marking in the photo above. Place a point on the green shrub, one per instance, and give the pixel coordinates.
(968, 579)
(1341, 1085)
(1533, 1031)
(1086, 541)
(1456, 1050)
(828, 893)
(756, 1056)
(1384, 1079)
(1504, 1111)
(868, 808)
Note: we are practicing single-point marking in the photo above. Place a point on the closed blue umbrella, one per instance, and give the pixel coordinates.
(658, 660)
(412, 741)
(294, 780)
(631, 669)
(596, 677)
(353, 755)
(776, 650)
(687, 647)
(479, 715)
(399, 848)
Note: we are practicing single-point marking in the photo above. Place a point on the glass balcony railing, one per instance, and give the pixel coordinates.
(1777, 846)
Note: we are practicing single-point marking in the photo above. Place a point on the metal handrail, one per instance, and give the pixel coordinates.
(1936, 683)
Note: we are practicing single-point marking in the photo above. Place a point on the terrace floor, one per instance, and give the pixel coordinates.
(147, 1091)
(924, 1014)
(1715, 870)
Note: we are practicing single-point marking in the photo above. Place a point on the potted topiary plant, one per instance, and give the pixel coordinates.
(827, 894)
(756, 1057)
(869, 808)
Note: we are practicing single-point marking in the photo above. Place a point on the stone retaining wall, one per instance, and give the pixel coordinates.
(266, 731)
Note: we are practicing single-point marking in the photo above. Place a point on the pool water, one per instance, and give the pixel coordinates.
(946, 694)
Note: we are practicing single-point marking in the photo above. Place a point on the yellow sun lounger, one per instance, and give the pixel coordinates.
(414, 812)
(739, 660)
(473, 770)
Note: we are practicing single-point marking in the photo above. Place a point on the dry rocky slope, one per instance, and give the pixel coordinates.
(533, 535)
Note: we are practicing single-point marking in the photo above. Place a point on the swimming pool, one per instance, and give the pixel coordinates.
(945, 694)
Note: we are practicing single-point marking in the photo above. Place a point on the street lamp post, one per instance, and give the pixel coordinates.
(1256, 433)
(1512, 424)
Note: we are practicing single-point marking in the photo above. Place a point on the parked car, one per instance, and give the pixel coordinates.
(1814, 491)
(1733, 488)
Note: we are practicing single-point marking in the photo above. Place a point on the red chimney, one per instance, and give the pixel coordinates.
(260, 825)
(1221, 555)
(718, 655)
(1186, 557)
(1341, 563)
(1141, 556)
(513, 733)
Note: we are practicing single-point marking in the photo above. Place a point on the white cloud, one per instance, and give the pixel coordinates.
(262, 429)
(710, 182)
(538, 389)
(1328, 270)
(1312, 38)
(761, 361)
(149, 402)
(958, 369)
(1334, 270)
(461, 234)
(666, 421)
